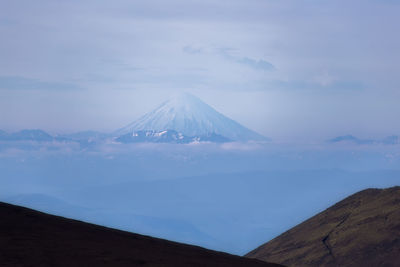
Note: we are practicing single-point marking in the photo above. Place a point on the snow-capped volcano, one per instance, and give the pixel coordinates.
(188, 115)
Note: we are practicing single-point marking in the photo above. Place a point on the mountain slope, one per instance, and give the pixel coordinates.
(361, 230)
(188, 115)
(31, 238)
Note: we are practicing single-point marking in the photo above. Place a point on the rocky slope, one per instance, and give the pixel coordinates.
(361, 230)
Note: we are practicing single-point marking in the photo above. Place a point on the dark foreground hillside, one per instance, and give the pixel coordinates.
(31, 238)
(361, 230)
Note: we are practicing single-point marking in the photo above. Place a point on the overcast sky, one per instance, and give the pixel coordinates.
(308, 69)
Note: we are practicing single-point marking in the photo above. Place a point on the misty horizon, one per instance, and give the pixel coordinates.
(292, 139)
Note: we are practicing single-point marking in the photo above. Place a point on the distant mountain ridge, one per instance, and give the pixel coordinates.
(188, 115)
(389, 140)
(37, 135)
(27, 135)
(158, 136)
(91, 137)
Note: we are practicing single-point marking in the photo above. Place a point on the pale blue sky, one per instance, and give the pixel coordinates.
(287, 69)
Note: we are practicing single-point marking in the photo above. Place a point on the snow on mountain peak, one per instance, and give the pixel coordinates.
(187, 114)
